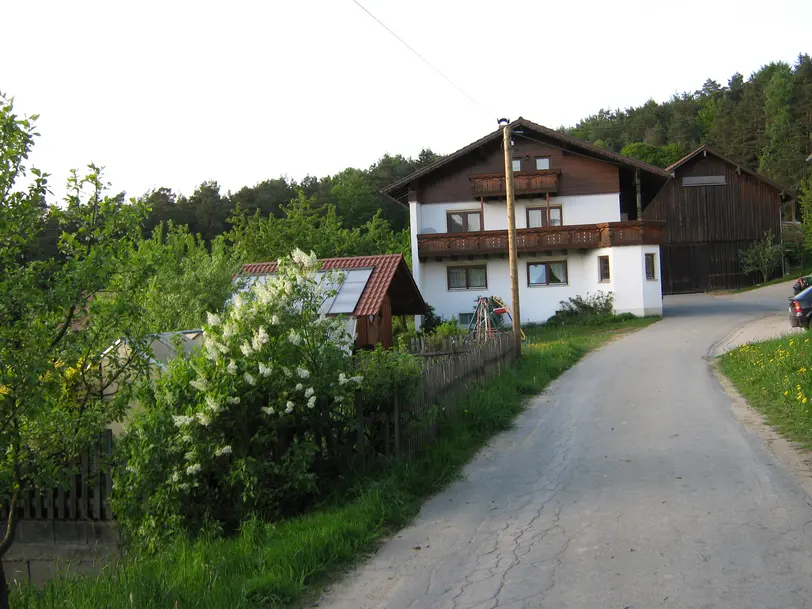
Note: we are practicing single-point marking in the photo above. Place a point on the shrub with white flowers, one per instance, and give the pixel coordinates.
(245, 425)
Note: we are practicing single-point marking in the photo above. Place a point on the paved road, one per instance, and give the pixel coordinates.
(629, 483)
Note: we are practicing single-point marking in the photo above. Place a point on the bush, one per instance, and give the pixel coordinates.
(242, 427)
(449, 329)
(794, 246)
(579, 308)
(430, 321)
(387, 376)
(763, 256)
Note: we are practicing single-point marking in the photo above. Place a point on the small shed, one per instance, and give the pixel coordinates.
(375, 289)
(713, 208)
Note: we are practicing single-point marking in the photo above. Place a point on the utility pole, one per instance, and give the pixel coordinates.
(511, 221)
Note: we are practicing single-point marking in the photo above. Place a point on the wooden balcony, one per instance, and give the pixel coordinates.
(533, 240)
(492, 185)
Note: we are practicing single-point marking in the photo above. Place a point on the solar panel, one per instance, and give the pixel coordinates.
(350, 291)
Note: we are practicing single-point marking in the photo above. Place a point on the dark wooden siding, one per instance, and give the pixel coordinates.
(579, 175)
(707, 226)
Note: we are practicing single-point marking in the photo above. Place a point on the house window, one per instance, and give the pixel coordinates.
(650, 266)
(517, 164)
(537, 217)
(467, 277)
(704, 181)
(465, 319)
(464, 221)
(603, 268)
(542, 162)
(546, 273)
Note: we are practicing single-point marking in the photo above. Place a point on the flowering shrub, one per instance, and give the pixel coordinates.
(244, 425)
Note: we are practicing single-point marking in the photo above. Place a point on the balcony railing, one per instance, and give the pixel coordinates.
(529, 240)
(524, 183)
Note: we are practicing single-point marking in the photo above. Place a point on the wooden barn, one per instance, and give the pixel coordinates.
(712, 208)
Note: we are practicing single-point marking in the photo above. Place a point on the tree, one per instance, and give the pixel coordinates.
(56, 319)
(763, 256)
(779, 153)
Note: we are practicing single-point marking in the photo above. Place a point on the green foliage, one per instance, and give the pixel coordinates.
(773, 376)
(387, 376)
(661, 156)
(805, 203)
(238, 428)
(584, 310)
(186, 279)
(277, 565)
(57, 317)
(449, 329)
(430, 321)
(794, 244)
(764, 256)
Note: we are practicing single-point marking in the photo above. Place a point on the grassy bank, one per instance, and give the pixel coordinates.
(276, 565)
(774, 378)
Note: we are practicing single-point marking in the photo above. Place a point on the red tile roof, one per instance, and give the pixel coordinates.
(384, 269)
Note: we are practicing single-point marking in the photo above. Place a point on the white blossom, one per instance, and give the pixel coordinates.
(186, 439)
(184, 486)
(339, 399)
(302, 259)
(225, 450)
(268, 410)
(299, 387)
(264, 370)
(275, 320)
(311, 402)
(286, 372)
(250, 379)
(212, 319)
(260, 338)
(190, 456)
(200, 384)
(234, 400)
(357, 379)
(193, 469)
(228, 330)
(303, 373)
(246, 348)
(181, 420)
(294, 338)
(175, 477)
(203, 418)
(232, 367)
(289, 407)
(309, 393)
(212, 403)
(342, 379)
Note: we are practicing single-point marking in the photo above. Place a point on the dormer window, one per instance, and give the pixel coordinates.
(542, 162)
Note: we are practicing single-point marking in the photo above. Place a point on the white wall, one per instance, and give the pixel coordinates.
(632, 292)
(581, 209)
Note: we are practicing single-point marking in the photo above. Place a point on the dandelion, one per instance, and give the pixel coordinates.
(232, 367)
(200, 384)
(246, 348)
(193, 469)
(299, 387)
(309, 392)
(268, 410)
(311, 402)
(250, 379)
(225, 450)
(212, 319)
(234, 400)
(305, 374)
(289, 407)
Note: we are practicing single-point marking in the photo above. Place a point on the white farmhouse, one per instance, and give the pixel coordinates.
(578, 210)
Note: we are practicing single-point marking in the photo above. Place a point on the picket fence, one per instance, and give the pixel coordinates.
(86, 498)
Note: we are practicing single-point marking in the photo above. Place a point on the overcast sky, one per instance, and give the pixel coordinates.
(172, 93)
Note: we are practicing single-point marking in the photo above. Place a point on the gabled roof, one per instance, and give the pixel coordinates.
(398, 190)
(720, 156)
(386, 270)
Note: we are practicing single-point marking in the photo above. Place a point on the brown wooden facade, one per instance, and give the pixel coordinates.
(706, 226)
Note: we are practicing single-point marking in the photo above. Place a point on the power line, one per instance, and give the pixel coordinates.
(423, 59)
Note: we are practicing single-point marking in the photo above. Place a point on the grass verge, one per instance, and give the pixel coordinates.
(277, 565)
(774, 378)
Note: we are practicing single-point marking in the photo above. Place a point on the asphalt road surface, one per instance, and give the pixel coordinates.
(628, 484)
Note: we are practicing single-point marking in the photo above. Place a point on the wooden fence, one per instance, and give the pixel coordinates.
(86, 498)
(449, 370)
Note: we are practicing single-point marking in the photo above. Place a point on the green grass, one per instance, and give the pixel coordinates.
(774, 378)
(282, 564)
(793, 275)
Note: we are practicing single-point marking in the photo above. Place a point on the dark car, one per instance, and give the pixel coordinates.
(800, 309)
(801, 284)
